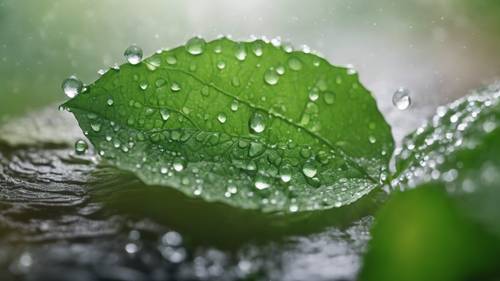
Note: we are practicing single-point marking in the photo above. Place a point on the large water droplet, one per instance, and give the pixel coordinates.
(271, 77)
(81, 147)
(72, 86)
(133, 54)
(195, 46)
(401, 99)
(257, 122)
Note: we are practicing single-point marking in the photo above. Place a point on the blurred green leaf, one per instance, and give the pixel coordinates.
(249, 124)
(459, 148)
(421, 235)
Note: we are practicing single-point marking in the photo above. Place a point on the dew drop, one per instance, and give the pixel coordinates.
(110, 101)
(294, 208)
(314, 94)
(165, 114)
(175, 87)
(294, 64)
(240, 53)
(81, 147)
(96, 127)
(280, 70)
(309, 169)
(222, 118)
(143, 85)
(221, 65)
(262, 183)
(195, 46)
(401, 99)
(257, 49)
(257, 122)
(178, 166)
(285, 173)
(72, 86)
(133, 54)
(329, 97)
(271, 77)
(235, 105)
(171, 59)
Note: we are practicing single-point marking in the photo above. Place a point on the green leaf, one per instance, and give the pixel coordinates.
(245, 123)
(459, 149)
(422, 235)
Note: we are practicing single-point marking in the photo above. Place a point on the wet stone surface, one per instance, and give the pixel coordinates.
(56, 223)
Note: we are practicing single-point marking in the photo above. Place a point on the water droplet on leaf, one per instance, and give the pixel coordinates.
(133, 54)
(72, 86)
(401, 99)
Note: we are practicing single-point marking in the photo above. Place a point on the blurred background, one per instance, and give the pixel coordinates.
(438, 49)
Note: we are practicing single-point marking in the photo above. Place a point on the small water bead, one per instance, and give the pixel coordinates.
(271, 77)
(222, 118)
(235, 81)
(257, 122)
(240, 53)
(96, 127)
(178, 166)
(401, 99)
(175, 87)
(294, 208)
(280, 70)
(171, 59)
(329, 97)
(165, 114)
(294, 64)
(262, 183)
(195, 46)
(143, 85)
(285, 173)
(101, 72)
(81, 147)
(133, 54)
(110, 102)
(221, 65)
(257, 49)
(235, 105)
(314, 94)
(309, 169)
(72, 86)
(218, 49)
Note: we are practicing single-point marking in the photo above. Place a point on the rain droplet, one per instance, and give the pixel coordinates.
(178, 166)
(110, 101)
(72, 86)
(222, 118)
(195, 46)
(143, 85)
(81, 147)
(329, 97)
(309, 169)
(240, 53)
(171, 60)
(286, 173)
(133, 54)
(401, 99)
(314, 94)
(221, 65)
(257, 49)
(271, 77)
(234, 105)
(175, 87)
(165, 114)
(280, 70)
(294, 64)
(257, 123)
(261, 183)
